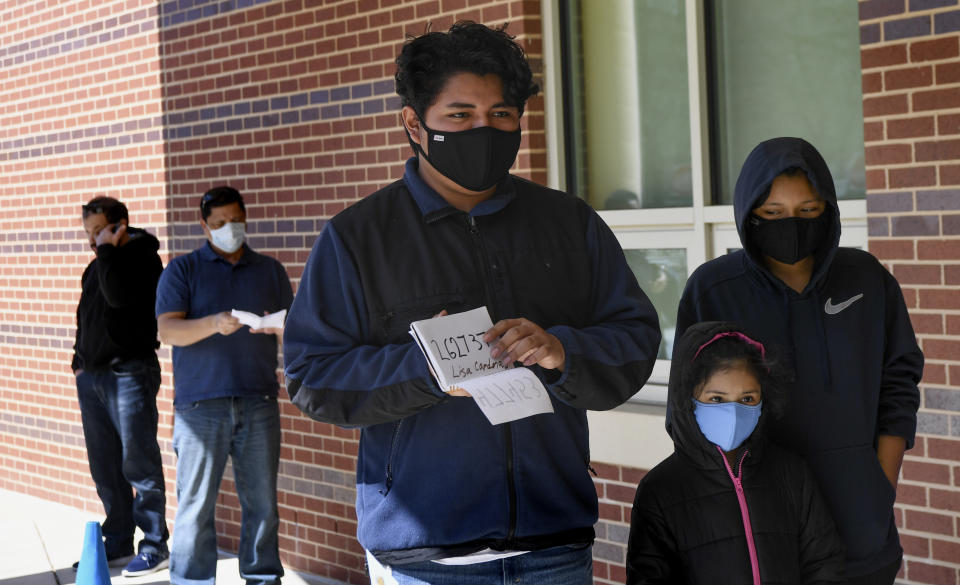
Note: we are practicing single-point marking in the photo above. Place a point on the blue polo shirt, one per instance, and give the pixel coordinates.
(202, 283)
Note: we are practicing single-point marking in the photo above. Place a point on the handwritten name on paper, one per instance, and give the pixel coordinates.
(509, 395)
(459, 358)
(461, 371)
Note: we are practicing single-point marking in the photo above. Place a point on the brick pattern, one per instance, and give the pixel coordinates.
(79, 104)
(911, 67)
(616, 488)
(291, 101)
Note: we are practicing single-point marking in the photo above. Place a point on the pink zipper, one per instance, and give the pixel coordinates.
(744, 513)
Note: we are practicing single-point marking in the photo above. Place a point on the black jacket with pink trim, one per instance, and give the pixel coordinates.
(687, 527)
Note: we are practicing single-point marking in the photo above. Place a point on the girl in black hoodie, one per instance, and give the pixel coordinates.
(728, 506)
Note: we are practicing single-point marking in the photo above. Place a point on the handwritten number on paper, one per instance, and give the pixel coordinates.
(440, 353)
(459, 346)
(473, 338)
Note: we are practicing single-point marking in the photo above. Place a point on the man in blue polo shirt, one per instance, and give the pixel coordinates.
(225, 392)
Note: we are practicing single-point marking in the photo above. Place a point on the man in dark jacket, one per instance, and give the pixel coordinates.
(841, 320)
(118, 376)
(435, 480)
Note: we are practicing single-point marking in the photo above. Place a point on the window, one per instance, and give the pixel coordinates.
(653, 105)
(786, 68)
(627, 114)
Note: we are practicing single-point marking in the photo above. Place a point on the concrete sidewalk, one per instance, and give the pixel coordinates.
(40, 541)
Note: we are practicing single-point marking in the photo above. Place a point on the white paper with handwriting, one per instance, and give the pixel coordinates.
(459, 358)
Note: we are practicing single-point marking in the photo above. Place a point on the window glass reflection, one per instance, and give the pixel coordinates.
(786, 68)
(661, 274)
(627, 110)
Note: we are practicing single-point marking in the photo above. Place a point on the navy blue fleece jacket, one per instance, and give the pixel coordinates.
(849, 342)
(435, 479)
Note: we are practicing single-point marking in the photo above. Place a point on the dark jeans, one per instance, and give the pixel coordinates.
(118, 407)
(885, 576)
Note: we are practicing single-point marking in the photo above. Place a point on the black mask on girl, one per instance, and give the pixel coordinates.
(475, 159)
(788, 240)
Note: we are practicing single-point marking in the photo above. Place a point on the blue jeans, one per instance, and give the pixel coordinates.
(118, 409)
(561, 565)
(205, 433)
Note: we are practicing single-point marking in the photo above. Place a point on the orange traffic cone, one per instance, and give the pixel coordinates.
(93, 569)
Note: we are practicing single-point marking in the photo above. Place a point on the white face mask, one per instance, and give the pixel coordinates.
(228, 237)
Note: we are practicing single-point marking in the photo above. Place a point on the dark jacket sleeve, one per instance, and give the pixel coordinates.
(651, 552)
(76, 363)
(127, 274)
(902, 369)
(822, 555)
(332, 375)
(286, 290)
(608, 361)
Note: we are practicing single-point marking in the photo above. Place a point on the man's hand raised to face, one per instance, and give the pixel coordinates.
(112, 234)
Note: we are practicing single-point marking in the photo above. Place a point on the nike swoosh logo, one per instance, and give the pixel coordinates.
(830, 309)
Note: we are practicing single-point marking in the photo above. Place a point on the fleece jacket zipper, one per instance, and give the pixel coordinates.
(507, 428)
(744, 513)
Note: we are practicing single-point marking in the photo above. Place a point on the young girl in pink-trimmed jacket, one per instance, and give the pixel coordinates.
(728, 506)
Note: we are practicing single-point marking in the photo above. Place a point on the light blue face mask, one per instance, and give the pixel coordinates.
(726, 424)
(229, 236)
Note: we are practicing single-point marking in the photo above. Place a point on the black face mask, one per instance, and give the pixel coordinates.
(788, 240)
(475, 159)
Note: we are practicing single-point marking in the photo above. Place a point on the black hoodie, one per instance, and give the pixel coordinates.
(115, 317)
(847, 338)
(687, 524)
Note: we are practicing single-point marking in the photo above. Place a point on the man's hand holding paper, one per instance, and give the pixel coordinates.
(270, 323)
(463, 365)
(226, 323)
(521, 340)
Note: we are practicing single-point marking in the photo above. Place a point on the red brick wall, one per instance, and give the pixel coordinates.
(911, 103)
(80, 108)
(616, 487)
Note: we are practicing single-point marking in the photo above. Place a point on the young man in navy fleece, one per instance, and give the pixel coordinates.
(441, 493)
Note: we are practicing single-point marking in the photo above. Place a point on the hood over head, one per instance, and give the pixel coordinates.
(696, 344)
(765, 162)
(141, 242)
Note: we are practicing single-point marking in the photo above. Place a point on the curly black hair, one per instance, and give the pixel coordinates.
(426, 63)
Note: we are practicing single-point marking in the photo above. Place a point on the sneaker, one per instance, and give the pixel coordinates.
(146, 563)
(112, 561)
